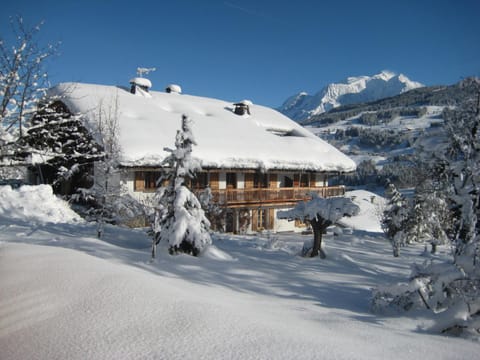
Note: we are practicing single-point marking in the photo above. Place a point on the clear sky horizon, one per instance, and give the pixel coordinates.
(262, 50)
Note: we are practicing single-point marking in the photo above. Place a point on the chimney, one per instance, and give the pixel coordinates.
(139, 83)
(173, 89)
(242, 107)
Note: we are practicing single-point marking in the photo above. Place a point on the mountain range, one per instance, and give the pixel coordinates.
(360, 89)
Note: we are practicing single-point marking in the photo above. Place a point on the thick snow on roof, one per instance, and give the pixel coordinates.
(265, 139)
(142, 82)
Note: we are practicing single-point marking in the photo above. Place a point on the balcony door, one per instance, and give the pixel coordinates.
(231, 181)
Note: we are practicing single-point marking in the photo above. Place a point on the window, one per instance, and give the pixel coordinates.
(260, 180)
(288, 182)
(231, 181)
(304, 180)
(146, 180)
(262, 219)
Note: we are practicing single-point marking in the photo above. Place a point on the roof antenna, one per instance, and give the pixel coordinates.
(144, 71)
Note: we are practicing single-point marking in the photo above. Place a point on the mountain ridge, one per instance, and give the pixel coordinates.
(354, 89)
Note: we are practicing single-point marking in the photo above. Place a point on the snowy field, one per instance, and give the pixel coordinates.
(66, 295)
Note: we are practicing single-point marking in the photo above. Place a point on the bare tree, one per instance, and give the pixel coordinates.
(23, 77)
(107, 181)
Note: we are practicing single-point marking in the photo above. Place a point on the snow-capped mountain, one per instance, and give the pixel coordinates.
(301, 106)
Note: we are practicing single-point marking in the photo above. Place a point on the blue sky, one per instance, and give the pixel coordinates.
(259, 50)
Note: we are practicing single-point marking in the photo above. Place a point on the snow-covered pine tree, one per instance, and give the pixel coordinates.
(64, 149)
(180, 220)
(395, 218)
(320, 213)
(430, 216)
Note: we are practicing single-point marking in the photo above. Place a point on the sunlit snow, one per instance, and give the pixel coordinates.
(67, 295)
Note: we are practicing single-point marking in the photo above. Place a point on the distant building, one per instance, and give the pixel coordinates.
(254, 159)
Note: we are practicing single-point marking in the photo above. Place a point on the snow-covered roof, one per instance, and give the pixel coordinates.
(263, 140)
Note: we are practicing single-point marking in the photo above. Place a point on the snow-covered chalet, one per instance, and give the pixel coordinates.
(255, 160)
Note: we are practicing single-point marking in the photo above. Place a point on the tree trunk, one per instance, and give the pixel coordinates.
(318, 226)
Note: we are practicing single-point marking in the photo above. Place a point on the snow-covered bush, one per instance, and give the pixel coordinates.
(213, 211)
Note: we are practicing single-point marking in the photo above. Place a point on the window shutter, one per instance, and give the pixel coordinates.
(139, 184)
(272, 181)
(214, 184)
(248, 181)
(254, 220)
(296, 180)
(271, 218)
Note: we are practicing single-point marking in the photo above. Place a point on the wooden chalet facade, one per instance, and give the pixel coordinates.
(255, 160)
(249, 197)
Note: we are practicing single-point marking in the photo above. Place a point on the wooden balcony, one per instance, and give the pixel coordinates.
(271, 196)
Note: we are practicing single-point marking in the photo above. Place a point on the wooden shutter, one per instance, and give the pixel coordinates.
(272, 181)
(214, 183)
(271, 219)
(254, 220)
(296, 180)
(248, 181)
(139, 184)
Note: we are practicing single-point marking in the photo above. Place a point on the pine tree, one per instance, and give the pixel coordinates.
(395, 218)
(63, 148)
(180, 221)
(430, 219)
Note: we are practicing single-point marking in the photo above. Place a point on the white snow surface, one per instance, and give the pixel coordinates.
(353, 90)
(141, 81)
(225, 140)
(68, 295)
(371, 208)
(35, 204)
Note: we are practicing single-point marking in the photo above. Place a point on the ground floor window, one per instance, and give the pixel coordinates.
(262, 219)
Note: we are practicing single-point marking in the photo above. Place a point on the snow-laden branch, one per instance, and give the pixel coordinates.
(331, 209)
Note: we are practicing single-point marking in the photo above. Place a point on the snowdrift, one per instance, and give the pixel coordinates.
(35, 204)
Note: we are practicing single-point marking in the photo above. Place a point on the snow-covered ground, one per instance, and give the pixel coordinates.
(66, 295)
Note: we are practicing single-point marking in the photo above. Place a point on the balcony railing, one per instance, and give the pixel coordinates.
(232, 197)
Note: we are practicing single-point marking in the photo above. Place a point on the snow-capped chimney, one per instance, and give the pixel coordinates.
(242, 107)
(141, 85)
(173, 89)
